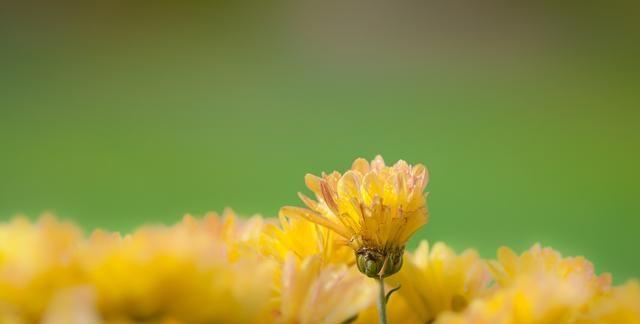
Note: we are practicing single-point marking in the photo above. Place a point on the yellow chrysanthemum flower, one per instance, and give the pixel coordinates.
(36, 260)
(195, 271)
(434, 280)
(510, 266)
(540, 298)
(313, 293)
(374, 208)
(538, 286)
(437, 280)
(160, 273)
(621, 305)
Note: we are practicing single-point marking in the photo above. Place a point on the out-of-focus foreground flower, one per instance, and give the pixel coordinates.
(539, 286)
(436, 280)
(225, 269)
(194, 271)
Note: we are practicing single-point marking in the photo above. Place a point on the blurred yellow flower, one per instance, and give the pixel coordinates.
(161, 272)
(510, 266)
(36, 260)
(313, 293)
(195, 271)
(540, 298)
(538, 286)
(621, 305)
(437, 280)
(374, 208)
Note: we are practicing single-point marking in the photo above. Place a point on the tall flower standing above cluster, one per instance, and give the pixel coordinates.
(374, 208)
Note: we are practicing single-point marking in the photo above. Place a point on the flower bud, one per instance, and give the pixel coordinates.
(372, 263)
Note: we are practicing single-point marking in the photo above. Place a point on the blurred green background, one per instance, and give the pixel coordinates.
(116, 114)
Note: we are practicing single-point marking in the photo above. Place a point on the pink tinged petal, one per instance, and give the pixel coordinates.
(401, 166)
(360, 165)
(377, 163)
(332, 178)
(349, 187)
(401, 188)
(420, 176)
(313, 183)
(327, 196)
(604, 282)
(349, 195)
(308, 201)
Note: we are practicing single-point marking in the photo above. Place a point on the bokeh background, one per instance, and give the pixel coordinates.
(115, 114)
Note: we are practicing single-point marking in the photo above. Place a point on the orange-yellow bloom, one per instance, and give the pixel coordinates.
(160, 272)
(620, 305)
(313, 293)
(510, 266)
(436, 279)
(36, 261)
(538, 286)
(373, 207)
(539, 298)
(195, 271)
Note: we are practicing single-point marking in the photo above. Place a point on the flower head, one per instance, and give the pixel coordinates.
(312, 293)
(537, 259)
(436, 279)
(537, 298)
(620, 305)
(36, 260)
(374, 208)
(196, 271)
(167, 272)
(538, 286)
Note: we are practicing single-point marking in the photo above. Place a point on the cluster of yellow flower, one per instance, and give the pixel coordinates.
(300, 268)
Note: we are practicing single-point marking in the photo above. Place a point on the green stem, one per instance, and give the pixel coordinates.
(382, 302)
